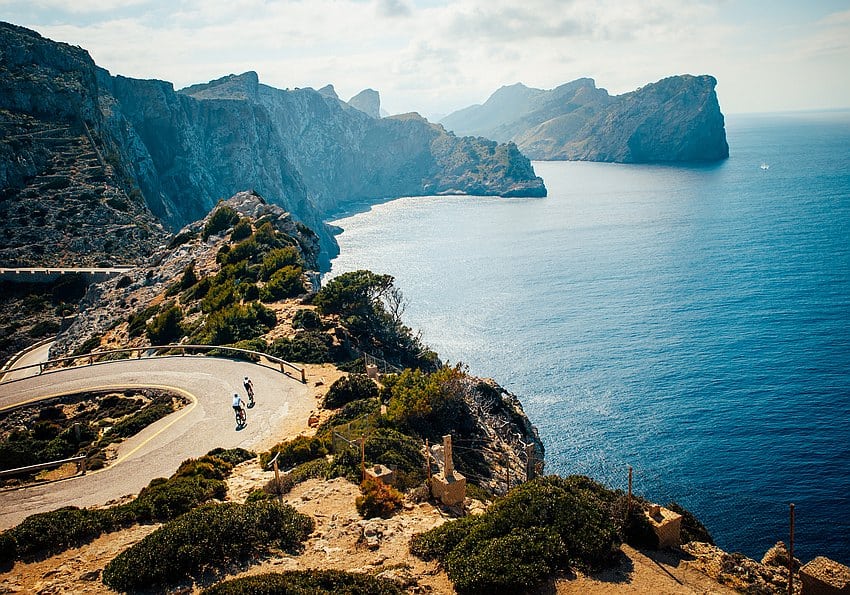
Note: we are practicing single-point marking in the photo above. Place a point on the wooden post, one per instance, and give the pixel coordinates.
(448, 464)
(791, 552)
(507, 473)
(362, 459)
(629, 500)
(303, 377)
(277, 481)
(529, 463)
(83, 467)
(428, 461)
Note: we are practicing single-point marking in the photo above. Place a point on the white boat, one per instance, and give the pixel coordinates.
(764, 166)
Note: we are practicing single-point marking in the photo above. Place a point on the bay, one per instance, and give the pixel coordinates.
(688, 321)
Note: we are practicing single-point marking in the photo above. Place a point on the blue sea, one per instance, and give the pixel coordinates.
(692, 322)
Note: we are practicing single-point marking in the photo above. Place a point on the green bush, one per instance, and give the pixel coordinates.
(350, 388)
(237, 323)
(278, 258)
(49, 533)
(165, 327)
(284, 283)
(165, 499)
(307, 582)
(514, 563)
(208, 537)
(392, 448)
(428, 404)
(295, 451)
(140, 420)
(306, 319)
(692, 528)
(222, 218)
(377, 499)
(246, 250)
(542, 526)
(234, 456)
(219, 295)
(136, 323)
(8, 550)
(308, 347)
(242, 230)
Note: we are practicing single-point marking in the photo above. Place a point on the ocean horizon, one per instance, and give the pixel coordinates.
(689, 321)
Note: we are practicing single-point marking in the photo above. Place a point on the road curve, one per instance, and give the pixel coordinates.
(283, 405)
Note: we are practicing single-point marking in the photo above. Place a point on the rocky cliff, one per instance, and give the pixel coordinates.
(676, 119)
(178, 152)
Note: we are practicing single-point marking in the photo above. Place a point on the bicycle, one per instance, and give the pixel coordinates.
(241, 417)
(249, 388)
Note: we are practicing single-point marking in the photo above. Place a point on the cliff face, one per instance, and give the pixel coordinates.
(178, 152)
(676, 119)
(62, 201)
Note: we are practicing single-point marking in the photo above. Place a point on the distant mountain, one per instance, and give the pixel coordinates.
(174, 154)
(367, 101)
(676, 119)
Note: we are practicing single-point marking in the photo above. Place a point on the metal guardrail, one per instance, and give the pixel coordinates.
(94, 356)
(80, 459)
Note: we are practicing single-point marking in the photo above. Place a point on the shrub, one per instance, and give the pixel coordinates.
(285, 282)
(429, 404)
(140, 420)
(165, 327)
(165, 499)
(234, 456)
(295, 451)
(242, 230)
(278, 258)
(308, 347)
(237, 323)
(180, 239)
(377, 500)
(306, 319)
(692, 528)
(542, 525)
(207, 537)
(350, 388)
(307, 582)
(222, 218)
(246, 250)
(8, 550)
(50, 533)
(514, 563)
(392, 448)
(219, 295)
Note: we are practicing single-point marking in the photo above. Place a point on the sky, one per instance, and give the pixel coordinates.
(435, 56)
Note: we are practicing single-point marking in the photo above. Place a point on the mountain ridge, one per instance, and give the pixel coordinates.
(676, 119)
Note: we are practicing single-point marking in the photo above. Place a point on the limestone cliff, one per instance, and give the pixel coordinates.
(676, 119)
(178, 152)
(367, 101)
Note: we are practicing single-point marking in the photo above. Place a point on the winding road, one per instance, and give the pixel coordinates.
(283, 405)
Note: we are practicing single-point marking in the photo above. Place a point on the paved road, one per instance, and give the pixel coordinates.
(33, 356)
(283, 406)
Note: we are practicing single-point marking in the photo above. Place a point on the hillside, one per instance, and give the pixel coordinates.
(676, 119)
(79, 145)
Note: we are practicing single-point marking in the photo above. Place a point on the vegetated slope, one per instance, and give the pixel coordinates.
(304, 150)
(675, 119)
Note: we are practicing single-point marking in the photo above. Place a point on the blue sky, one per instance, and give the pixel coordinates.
(433, 56)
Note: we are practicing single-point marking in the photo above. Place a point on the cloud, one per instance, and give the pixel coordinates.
(394, 8)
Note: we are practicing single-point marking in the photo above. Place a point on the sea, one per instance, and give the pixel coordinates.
(690, 322)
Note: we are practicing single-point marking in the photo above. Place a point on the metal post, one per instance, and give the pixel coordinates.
(791, 552)
(629, 501)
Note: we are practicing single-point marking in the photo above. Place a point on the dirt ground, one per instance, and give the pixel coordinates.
(340, 542)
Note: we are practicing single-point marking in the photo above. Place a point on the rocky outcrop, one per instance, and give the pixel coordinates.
(178, 152)
(676, 119)
(367, 101)
(63, 201)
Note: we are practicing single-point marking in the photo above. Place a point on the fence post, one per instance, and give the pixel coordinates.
(428, 462)
(362, 458)
(791, 552)
(277, 481)
(303, 377)
(529, 465)
(629, 500)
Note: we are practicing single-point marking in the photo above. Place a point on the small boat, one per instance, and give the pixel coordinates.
(764, 166)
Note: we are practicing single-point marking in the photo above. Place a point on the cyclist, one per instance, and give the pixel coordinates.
(240, 412)
(249, 388)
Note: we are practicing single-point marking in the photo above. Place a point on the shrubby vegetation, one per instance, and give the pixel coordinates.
(370, 308)
(207, 537)
(294, 452)
(307, 582)
(546, 524)
(197, 481)
(284, 283)
(165, 327)
(350, 388)
(222, 218)
(377, 499)
(310, 347)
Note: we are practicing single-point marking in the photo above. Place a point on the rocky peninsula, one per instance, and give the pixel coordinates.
(676, 119)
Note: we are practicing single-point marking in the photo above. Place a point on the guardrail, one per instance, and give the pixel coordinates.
(94, 356)
(80, 459)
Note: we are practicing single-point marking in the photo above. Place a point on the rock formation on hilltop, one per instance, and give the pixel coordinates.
(367, 101)
(676, 119)
(175, 153)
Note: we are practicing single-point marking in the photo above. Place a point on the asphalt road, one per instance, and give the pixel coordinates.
(283, 405)
(33, 356)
